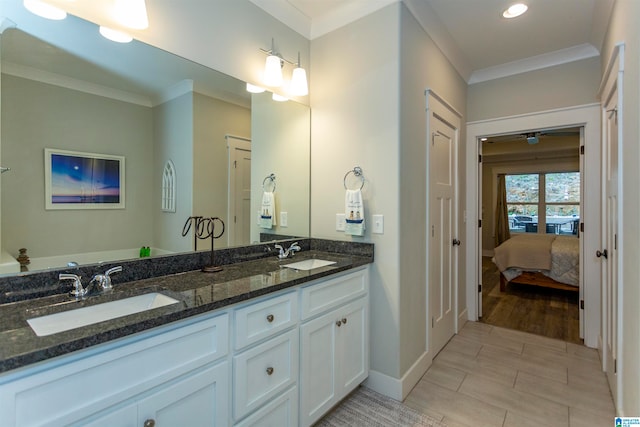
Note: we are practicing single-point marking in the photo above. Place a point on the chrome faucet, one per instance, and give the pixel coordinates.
(101, 280)
(282, 253)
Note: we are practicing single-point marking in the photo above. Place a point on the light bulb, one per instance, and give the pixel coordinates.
(131, 14)
(273, 71)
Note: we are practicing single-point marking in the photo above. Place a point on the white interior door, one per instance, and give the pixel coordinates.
(612, 117)
(443, 239)
(239, 191)
(479, 241)
(609, 253)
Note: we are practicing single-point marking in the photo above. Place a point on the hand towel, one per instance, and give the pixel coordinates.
(268, 210)
(354, 213)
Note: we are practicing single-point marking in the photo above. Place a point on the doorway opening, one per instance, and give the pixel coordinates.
(531, 193)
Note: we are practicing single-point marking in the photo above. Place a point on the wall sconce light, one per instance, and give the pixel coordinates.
(44, 10)
(254, 89)
(272, 76)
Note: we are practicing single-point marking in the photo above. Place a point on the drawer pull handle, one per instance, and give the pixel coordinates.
(270, 318)
(269, 370)
(149, 423)
(344, 321)
(338, 323)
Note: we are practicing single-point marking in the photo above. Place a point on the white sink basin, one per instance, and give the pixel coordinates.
(309, 264)
(67, 320)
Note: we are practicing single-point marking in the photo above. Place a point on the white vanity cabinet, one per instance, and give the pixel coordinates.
(334, 342)
(160, 375)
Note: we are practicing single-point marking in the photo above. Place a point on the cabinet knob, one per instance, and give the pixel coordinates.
(269, 370)
(149, 423)
(344, 320)
(338, 323)
(270, 318)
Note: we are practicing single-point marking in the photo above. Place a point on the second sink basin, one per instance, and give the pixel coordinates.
(309, 264)
(71, 319)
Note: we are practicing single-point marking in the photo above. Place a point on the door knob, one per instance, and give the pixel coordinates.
(602, 254)
(149, 423)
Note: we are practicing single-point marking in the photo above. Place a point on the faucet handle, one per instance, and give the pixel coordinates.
(78, 291)
(106, 282)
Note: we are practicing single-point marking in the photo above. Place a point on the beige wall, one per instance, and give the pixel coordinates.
(283, 151)
(71, 120)
(624, 27)
(423, 67)
(575, 83)
(369, 111)
(490, 170)
(213, 119)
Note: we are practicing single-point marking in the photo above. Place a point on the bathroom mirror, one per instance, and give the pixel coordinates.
(195, 143)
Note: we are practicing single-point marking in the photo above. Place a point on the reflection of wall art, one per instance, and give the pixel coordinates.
(75, 180)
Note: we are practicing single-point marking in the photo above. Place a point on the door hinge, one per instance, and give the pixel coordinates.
(615, 241)
(479, 158)
(582, 227)
(581, 304)
(582, 149)
(235, 219)
(235, 164)
(615, 366)
(479, 223)
(480, 288)
(432, 322)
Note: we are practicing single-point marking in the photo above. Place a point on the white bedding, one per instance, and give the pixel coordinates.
(559, 261)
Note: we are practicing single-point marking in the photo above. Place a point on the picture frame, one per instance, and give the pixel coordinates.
(79, 180)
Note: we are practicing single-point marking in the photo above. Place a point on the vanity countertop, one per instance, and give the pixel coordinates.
(198, 292)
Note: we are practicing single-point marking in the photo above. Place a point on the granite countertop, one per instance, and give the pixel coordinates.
(198, 292)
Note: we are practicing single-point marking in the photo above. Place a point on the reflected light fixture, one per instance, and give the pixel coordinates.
(131, 14)
(299, 85)
(115, 35)
(515, 10)
(44, 10)
(254, 89)
(279, 98)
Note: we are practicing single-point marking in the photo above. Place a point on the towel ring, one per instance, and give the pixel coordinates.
(357, 171)
(272, 179)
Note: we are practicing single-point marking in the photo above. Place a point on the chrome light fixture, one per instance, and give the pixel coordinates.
(44, 10)
(299, 85)
(273, 77)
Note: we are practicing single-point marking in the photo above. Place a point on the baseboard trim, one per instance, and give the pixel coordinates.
(462, 319)
(396, 388)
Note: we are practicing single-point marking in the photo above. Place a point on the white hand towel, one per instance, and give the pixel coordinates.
(354, 213)
(268, 210)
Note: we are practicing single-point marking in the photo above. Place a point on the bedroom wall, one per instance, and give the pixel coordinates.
(490, 171)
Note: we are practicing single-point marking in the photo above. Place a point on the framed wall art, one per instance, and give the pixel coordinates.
(77, 180)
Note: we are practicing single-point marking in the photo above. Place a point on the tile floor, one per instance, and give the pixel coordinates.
(491, 376)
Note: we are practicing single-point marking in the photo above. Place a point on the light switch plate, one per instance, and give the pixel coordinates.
(378, 224)
(340, 222)
(284, 219)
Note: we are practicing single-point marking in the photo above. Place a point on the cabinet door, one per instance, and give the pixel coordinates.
(352, 347)
(121, 417)
(201, 400)
(318, 367)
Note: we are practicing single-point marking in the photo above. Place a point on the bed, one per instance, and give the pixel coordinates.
(547, 260)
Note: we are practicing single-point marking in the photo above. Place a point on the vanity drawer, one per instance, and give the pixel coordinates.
(321, 297)
(264, 372)
(280, 412)
(255, 322)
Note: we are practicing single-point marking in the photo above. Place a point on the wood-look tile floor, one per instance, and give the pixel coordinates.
(491, 376)
(552, 313)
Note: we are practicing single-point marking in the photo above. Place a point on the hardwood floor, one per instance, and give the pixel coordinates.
(549, 312)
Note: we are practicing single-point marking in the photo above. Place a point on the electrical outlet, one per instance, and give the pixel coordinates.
(340, 222)
(378, 224)
(284, 219)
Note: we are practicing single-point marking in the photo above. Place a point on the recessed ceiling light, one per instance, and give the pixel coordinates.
(515, 10)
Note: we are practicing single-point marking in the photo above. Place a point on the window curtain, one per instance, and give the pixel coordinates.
(502, 216)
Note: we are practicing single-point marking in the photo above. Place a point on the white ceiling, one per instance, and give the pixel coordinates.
(472, 33)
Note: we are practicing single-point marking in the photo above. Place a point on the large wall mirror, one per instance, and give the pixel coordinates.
(194, 143)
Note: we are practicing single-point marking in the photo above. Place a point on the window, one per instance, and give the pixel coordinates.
(549, 201)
